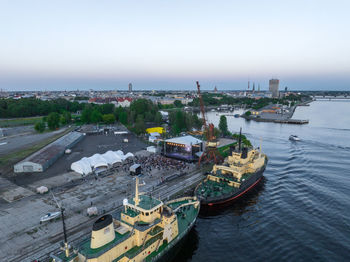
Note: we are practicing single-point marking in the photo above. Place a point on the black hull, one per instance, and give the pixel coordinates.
(246, 187)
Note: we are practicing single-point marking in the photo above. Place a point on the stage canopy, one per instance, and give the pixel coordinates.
(184, 140)
(183, 147)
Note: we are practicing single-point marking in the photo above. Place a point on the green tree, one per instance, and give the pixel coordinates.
(96, 116)
(108, 118)
(149, 117)
(86, 114)
(106, 109)
(139, 125)
(123, 117)
(197, 123)
(40, 127)
(223, 125)
(180, 120)
(177, 103)
(66, 118)
(53, 121)
(158, 119)
(248, 113)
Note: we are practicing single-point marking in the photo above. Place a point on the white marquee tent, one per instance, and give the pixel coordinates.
(87, 164)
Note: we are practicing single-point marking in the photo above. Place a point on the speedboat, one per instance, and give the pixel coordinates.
(50, 216)
(294, 138)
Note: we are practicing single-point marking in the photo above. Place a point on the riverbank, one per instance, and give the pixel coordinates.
(276, 114)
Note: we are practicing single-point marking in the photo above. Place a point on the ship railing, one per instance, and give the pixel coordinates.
(181, 199)
(157, 247)
(183, 205)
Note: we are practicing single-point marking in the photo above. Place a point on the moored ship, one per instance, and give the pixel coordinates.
(148, 230)
(239, 173)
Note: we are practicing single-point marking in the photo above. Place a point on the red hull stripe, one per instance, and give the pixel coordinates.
(211, 204)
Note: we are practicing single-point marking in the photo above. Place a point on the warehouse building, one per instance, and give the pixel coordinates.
(45, 157)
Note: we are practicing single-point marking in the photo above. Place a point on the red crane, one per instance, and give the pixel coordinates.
(211, 153)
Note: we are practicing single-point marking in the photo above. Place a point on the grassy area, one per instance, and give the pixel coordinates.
(225, 150)
(7, 161)
(20, 121)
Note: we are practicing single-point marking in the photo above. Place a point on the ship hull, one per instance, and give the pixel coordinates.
(245, 188)
(170, 253)
(173, 248)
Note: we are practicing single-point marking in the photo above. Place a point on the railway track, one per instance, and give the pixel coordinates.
(41, 252)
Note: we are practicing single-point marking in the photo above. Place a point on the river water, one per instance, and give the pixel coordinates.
(301, 210)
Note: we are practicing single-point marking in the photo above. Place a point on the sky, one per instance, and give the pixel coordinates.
(162, 44)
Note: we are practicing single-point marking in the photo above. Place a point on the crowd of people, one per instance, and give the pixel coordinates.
(158, 162)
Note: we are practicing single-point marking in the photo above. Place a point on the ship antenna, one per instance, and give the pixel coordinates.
(240, 139)
(66, 249)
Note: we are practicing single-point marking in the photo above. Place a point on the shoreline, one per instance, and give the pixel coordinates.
(285, 120)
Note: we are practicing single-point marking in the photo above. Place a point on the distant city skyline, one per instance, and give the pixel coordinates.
(66, 45)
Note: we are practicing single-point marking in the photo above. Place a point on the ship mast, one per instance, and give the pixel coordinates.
(136, 199)
(66, 247)
(240, 140)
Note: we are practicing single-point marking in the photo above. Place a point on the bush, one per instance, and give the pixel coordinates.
(53, 120)
(40, 127)
(108, 118)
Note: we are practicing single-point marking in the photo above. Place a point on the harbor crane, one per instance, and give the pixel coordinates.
(211, 154)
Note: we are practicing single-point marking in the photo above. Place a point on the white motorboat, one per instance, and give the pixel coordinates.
(294, 138)
(50, 216)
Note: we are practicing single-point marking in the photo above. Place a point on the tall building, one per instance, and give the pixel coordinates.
(130, 87)
(273, 87)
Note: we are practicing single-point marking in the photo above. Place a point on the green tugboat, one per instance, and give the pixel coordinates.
(240, 172)
(147, 230)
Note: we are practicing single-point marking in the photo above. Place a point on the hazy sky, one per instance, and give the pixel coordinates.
(171, 44)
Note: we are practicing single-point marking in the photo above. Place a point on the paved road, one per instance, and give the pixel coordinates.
(21, 140)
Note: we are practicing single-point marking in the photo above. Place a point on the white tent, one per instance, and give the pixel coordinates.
(82, 166)
(85, 165)
(97, 161)
(111, 157)
(129, 155)
(151, 138)
(152, 149)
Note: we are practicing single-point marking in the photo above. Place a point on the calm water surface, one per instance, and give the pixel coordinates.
(301, 210)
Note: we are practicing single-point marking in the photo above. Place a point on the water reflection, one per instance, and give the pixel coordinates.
(188, 248)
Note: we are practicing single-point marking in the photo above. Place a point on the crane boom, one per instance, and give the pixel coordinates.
(201, 106)
(210, 153)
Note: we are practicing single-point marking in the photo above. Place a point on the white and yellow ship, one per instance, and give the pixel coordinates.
(147, 230)
(240, 172)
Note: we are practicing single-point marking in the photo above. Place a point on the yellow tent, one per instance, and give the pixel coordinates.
(158, 129)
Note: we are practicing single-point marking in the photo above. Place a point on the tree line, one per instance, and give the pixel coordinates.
(60, 112)
(26, 107)
(221, 99)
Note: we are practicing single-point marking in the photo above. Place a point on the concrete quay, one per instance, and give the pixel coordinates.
(282, 118)
(24, 239)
